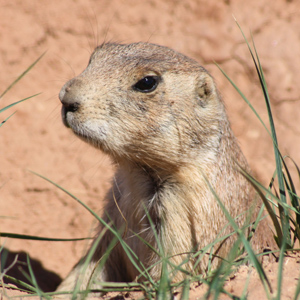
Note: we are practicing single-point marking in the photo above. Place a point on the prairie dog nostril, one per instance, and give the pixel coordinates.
(70, 107)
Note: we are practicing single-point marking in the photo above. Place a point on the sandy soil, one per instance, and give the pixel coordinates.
(34, 139)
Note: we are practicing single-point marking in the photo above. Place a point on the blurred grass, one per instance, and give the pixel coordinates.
(13, 84)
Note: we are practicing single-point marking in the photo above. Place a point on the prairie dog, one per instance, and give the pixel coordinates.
(159, 116)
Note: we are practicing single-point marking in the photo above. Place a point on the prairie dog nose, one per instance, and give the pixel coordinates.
(69, 96)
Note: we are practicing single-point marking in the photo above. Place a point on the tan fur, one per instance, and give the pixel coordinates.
(166, 143)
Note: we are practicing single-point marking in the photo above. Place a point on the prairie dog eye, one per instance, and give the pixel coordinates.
(147, 84)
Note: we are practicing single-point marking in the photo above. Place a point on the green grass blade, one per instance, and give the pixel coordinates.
(33, 279)
(86, 263)
(27, 287)
(22, 75)
(297, 292)
(268, 192)
(245, 99)
(164, 286)
(284, 215)
(286, 242)
(134, 259)
(4, 121)
(17, 102)
(278, 161)
(245, 242)
(292, 190)
(130, 253)
(37, 238)
(78, 200)
(216, 283)
(296, 166)
(185, 290)
(258, 187)
(280, 270)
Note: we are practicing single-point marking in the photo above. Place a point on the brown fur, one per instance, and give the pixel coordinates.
(166, 143)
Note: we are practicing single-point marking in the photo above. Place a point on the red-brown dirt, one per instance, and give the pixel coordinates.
(34, 139)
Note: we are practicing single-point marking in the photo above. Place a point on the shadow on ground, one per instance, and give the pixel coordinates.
(14, 264)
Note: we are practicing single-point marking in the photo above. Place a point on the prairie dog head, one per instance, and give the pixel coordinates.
(144, 103)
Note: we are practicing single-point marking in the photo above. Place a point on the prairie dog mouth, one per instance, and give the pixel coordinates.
(64, 116)
(91, 131)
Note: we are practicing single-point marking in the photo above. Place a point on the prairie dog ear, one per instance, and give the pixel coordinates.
(205, 88)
